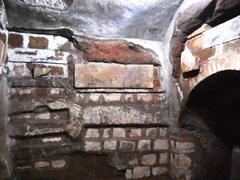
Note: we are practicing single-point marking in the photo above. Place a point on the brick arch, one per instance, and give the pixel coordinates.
(211, 114)
(202, 57)
(216, 100)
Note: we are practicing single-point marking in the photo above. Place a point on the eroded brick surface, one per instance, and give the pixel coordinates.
(116, 51)
(99, 75)
(38, 42)
(15, 40)
(149, 159)
(141, 171)
(61, 104)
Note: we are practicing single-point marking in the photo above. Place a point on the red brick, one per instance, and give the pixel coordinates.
(15, 40)
(116, 51)
(38, 42)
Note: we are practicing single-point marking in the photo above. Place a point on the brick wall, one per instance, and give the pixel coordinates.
(96, 97)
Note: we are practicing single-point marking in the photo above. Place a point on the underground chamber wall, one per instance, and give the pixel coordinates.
(211, 114)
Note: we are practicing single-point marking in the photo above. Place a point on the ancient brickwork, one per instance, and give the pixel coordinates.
(77, 97)
(183, 153)
(208, 51)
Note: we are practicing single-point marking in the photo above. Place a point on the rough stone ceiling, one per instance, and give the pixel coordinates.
(145, 19)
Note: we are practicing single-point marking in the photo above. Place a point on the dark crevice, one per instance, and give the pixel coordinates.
(191, 74)
(64, 32)
(125, 125)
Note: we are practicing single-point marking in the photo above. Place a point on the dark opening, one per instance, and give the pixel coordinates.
(217, 101)
(212, 114)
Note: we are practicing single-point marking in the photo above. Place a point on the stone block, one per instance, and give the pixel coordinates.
(92, 133)
(163, 158)
(15, 40)
(92, 146)
(151, 132)
(149, 159)
(127, 145)
(45, 115)
(144, 145)
(110, 145)
(128, 174)
(101, 75)
(157, 171)
(107, 133)
(161, 144)
(112, 97)
(60, 163)
(52, 140)
(185, 145)
(41, 164)
(141, 172)
(133, 132)
(38, 42)
(119, 132)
